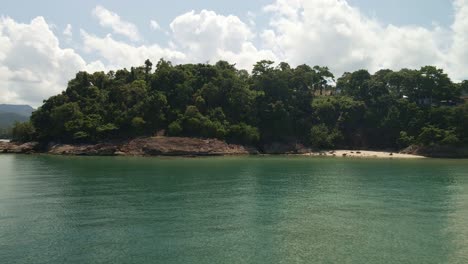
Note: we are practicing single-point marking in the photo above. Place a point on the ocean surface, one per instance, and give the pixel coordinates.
(232, 210)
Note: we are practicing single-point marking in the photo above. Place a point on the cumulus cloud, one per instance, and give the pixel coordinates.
(67, 32)
(331, 32)
(33, 66)
(251, 18)
(194, 37)
(111, 20)
(206, 32)
(118, 54)
(154, 25)
(208, 36)
(459, 53)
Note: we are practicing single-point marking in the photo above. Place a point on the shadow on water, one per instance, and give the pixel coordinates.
(232, 209)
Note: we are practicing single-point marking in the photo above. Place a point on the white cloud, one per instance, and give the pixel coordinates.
(459, 52)
(333, 33)
(208, 36)
(154, 25)
(119, 54)
(206, 32)
(251, 18)
(67, 32)
(32, 64)
(195, 37)
(112, 20)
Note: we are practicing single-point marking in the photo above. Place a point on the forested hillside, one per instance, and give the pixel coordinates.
(273, 103)
(8, 119)
(9, 114)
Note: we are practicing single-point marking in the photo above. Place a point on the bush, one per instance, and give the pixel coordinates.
(174, 129)
(106, 130)
(138, 122)
(81, 136)
(243, 133)
(404, 140)
(431, 135)
(322, 137)
(451, 139)
(212, 129)
(5, 133)
(23, 132)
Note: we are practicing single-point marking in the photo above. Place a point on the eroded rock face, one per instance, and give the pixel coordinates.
(84, 150)
(153, 146)
(13, 147)
(179, 146)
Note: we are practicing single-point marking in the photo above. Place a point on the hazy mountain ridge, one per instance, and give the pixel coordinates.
(23, 110)
(9, 114)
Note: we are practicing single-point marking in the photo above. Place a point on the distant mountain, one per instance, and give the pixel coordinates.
(24, 110)
(8, 119)
(9, 114)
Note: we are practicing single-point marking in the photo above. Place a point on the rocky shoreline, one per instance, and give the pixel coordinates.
(151, 146)
(181, 146)
(437, 151)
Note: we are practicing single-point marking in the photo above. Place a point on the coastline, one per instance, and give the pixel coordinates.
(193, 147)
(365, 154)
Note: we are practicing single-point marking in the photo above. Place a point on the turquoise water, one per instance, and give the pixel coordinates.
(232, 210)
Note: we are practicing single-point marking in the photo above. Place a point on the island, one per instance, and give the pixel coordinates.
(217, 109)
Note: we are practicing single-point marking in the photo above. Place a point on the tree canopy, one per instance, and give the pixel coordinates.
(275, 103)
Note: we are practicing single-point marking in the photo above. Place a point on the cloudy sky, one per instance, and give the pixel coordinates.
(44, 43)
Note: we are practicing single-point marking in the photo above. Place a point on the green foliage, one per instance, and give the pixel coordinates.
(23, 132)
(243, 133)
(5, 133)
(276, 103)
(106, 130)
(432, 135)
(174, 129)
(464, 87)
(81, 136)
(323, 137)
(138, 124)
(450, 139)
(405, 140)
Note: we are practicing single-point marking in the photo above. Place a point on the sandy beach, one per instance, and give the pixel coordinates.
(362, 154)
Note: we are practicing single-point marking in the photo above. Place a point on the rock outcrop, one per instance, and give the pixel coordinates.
(12, 147)
(151, 146)
(105, 149)
(437, 151)
(180, 146)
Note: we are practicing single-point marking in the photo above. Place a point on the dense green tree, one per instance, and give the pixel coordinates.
(464, 87)
(23, 132)
(276, 103)
(323, 137)
(355, 84)
(5, 133)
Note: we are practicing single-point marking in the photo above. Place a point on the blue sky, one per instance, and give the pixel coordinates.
(38, 55)
(77, 13)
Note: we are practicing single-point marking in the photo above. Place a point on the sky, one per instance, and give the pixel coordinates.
(44, 43)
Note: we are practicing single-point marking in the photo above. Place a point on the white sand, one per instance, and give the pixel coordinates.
(362, 154)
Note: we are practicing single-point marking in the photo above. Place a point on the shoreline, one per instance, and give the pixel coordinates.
(316, 154)
(365, 154)
(196, 147)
